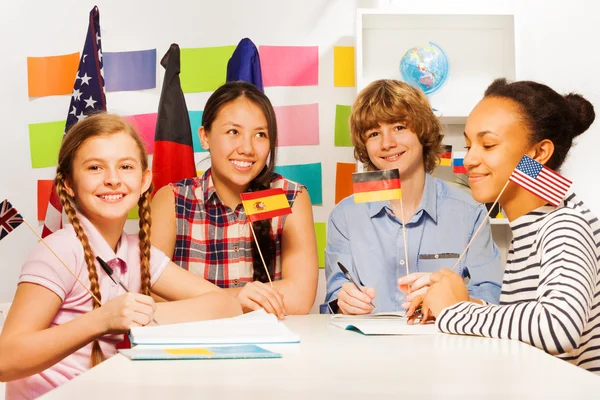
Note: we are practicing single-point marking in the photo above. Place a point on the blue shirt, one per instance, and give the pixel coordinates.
(367, 239)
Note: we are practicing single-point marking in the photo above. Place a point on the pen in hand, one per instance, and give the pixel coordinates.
(109, 271)
(349, 277)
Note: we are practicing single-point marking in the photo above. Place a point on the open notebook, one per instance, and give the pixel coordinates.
(252, 328)
(378, 316)
(382, 325)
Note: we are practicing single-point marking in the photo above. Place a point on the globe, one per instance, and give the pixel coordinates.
(425, 67)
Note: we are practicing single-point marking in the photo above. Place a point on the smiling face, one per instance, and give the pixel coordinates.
(107, 177)
(496, 138)
(238, 142)
(392, 146)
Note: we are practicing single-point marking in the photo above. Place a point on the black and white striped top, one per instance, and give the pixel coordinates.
(551, 288)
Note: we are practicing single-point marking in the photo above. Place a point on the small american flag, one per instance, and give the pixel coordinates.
(88, 97)
(541, 181)
(9, 218)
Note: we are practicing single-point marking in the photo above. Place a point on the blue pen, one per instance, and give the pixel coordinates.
(109, 271)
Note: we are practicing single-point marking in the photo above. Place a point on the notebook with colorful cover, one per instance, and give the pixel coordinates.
(253, 328)
(143, 353)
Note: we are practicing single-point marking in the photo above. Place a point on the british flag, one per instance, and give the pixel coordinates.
(9, 218)
(541, 180)
(88, 97)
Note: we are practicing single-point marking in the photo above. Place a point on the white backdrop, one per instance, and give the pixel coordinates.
(555, 44)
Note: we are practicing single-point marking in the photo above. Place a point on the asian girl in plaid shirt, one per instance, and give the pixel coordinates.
(202, 224)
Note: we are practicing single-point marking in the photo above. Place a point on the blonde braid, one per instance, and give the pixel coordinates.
(144, 236)
(59, 182)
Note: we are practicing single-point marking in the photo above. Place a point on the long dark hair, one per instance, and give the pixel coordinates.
(548, 114)
(222, 96)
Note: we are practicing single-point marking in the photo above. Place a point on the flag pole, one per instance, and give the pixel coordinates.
(260, 252)
(61, 261)
(480, 225)
(404, 235)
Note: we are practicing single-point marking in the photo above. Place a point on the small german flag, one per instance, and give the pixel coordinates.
(265, 204)
(446, 156)
(376, 186)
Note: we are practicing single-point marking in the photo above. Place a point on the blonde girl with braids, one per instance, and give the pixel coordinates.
(56, 330)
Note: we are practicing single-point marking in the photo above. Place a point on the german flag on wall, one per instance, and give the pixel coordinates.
(265, 204)
(376, 186)
(446, 156)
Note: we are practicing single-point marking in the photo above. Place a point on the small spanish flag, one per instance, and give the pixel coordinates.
(446, 156)
(265, 204)
(376, 186)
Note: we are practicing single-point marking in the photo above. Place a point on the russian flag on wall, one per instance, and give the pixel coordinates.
(457, 162)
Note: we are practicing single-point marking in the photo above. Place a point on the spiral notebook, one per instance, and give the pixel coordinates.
(146, 353)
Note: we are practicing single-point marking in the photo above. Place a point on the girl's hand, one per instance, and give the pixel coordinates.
(127, 311)
(256, 295)
(352, 301)
(417, 312)
(447, 288)
(414, 284)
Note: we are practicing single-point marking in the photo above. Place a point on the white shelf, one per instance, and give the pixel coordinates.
(499, 221)
(480, 48)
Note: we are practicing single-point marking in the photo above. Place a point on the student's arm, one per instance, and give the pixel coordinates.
(554, 321)
(164, 230)
(27, 344)
(191, 298)
(342, 296)
(482, 261)
(295, 292)
(299, 260)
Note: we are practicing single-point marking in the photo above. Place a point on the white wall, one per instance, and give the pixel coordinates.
(38, 28)
(555, 44)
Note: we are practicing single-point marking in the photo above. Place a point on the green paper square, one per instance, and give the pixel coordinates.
(342, 128)
(44, 143)
(321, 234)
(204, 69)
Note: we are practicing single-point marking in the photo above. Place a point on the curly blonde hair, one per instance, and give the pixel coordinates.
(389, 101)
(96, 125)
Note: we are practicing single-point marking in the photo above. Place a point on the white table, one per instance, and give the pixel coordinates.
(331, 363)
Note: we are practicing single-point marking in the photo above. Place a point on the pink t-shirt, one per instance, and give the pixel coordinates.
(42, 268)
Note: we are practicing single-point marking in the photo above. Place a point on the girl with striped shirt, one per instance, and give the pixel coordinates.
(551, 287)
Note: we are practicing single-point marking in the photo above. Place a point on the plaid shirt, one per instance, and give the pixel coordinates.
(214, 241)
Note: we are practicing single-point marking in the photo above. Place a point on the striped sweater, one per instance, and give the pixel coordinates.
(551, 288)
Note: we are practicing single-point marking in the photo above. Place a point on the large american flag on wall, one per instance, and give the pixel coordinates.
(88, 97)
(541, 180)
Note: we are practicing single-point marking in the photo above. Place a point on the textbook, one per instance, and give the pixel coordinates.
(145, 353)
(253, 328)
(386, 326)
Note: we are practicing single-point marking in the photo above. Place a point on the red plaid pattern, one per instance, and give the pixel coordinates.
(214, 241)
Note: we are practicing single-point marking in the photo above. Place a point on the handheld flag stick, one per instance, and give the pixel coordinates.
(61, 261)
(261, 256)
(480, 226)
(404, 234)
(264, 204)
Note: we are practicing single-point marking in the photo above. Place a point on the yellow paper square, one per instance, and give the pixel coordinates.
(343, 66)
